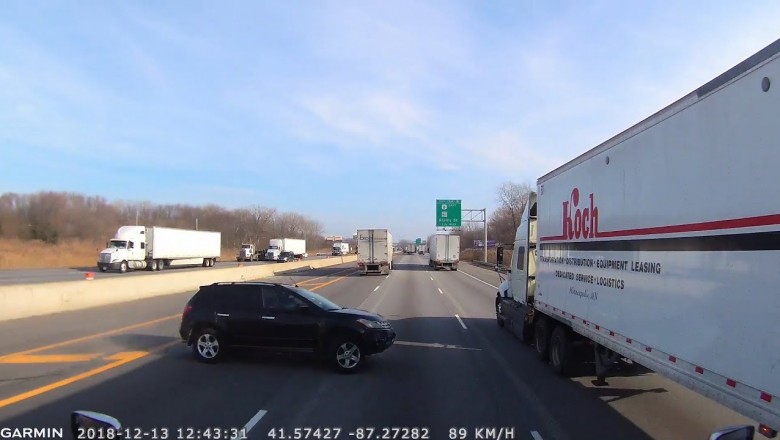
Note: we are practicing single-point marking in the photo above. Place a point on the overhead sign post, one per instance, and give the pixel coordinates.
(448, 214)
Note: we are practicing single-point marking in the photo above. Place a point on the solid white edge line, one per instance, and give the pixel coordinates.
(376, 288)
(461, 322)
(483, 282)
(441, 292)
(253, 421)
(536, 435)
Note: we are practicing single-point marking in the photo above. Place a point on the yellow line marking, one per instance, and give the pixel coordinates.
(324, 276)
(93, 336)
(119, 360)
(47, 358)
(328, 283)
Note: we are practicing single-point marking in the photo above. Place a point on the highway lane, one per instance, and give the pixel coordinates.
(34, 276)
(445, 371)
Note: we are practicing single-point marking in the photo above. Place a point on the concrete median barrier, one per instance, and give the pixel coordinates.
(25, 300)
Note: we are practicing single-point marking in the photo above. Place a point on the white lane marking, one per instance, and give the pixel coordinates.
(376, 288)
(461, 322)
(434, 345)
(441, 292)
(430, 277)
(536, 435)
(483, 282)
(253, 421)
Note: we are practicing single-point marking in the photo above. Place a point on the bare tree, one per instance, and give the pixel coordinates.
(513, 197)
(500, 226)
(51, 216)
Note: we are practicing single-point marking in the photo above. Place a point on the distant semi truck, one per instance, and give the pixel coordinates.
(278, 245)
(155, 248)
(340, 249)
(247, 252)
(375, 251)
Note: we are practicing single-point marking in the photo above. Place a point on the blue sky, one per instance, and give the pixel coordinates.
(355, 113)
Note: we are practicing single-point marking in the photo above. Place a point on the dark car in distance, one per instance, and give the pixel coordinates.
(280, 317)
(286, 256)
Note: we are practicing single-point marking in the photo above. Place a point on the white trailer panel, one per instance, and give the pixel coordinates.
(375, 250)
(444, 251)
(172, 243)
(666, 241)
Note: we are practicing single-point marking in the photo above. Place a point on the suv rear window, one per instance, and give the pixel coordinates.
(230, 296)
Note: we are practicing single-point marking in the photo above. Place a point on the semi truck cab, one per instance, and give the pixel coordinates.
(127, 250)
(515, 296)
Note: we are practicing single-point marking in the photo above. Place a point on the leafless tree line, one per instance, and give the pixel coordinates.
(54, 216)
(503, 222)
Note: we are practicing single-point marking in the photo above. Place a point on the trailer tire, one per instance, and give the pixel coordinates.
(560, 351)
(160, 264)
(542, 339)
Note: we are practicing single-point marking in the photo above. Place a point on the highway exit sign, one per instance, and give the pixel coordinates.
(448, 213)
(418, 241)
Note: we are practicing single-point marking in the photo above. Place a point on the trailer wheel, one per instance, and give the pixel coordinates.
(560, 351)
(542, 339)
(160, 264)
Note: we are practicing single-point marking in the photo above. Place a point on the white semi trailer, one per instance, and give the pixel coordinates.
(662, 246)
(155, 248)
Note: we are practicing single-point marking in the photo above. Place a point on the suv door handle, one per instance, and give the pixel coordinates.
(268, 317)
(223, 314)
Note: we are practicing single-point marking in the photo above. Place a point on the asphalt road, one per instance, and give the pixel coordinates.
(34, 276)
(452, 367)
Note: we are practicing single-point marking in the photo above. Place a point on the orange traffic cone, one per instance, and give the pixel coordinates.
(89, 276)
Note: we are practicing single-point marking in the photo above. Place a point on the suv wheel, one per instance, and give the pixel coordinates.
(344, 354)
(207, 346)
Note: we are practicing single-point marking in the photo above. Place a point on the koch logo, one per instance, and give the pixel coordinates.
(580, 223)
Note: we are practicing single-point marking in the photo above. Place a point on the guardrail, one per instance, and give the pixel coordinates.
(492, 266)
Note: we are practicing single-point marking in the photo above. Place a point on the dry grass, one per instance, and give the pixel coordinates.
(22, 254)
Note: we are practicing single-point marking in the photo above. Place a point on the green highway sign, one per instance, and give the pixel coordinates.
(448, 213)
(418, 241)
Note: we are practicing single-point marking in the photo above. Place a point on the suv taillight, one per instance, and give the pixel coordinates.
(187, 310)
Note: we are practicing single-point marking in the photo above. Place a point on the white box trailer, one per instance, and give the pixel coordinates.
(154, 248)
(445, 251)
(340, 249)
(278, 245)
(662, 245)
(375, 251)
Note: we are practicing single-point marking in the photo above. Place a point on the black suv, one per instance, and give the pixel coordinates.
(286, 256)
(280, 316)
